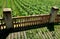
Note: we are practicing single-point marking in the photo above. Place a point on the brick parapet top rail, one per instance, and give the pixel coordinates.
(12, 22)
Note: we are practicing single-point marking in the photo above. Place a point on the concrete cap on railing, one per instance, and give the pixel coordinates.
(55, 8)
(7, 10)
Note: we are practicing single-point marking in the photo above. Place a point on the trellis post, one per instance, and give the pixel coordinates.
(53, 15)
(8, 22)
(7, 17)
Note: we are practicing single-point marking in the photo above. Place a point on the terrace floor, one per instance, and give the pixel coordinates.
(40, 33)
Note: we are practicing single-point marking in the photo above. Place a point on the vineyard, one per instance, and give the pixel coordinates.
(31, 7)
